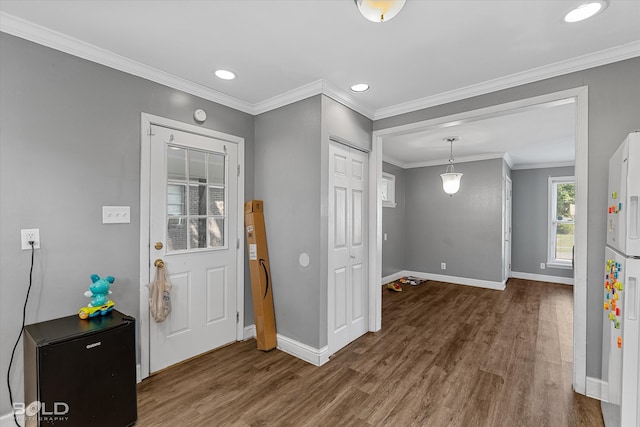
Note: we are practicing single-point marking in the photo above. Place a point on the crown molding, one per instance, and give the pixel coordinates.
(543, 165)
(346, 99)
(41, 35)
(439, 162)
(35, 33)
(458, 160)
(315, 88)
(289, 97)
(603, 57)
(508, 160)
(393, 161)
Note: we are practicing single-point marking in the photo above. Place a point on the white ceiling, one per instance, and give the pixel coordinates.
(433, 52)
(539, 136)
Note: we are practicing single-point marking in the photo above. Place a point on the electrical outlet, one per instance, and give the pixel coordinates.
(28, 235)
(443, 266)
(542, 266)
(385, 236)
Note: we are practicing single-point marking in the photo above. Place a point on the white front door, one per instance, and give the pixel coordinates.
(348, 292)
(193, 222)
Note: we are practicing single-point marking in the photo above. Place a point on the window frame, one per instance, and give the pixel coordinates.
(552, 222)
(388, 182)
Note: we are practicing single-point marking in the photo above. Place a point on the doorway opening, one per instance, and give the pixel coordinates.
(578, 96)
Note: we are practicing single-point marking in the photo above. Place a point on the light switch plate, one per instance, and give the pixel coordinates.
(116, 214)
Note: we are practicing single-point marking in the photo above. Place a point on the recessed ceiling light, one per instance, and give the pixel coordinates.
(585, 11)
(360, 87)
(225, 74)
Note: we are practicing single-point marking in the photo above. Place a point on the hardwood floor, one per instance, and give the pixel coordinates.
(447, 355)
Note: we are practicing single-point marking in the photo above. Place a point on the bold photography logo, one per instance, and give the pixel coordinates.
(56, 411)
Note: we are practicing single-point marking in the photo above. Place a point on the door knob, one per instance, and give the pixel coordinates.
(158, 245)
(158, 263)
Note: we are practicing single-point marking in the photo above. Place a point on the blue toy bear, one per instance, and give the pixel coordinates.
(99, 293)
(99, 290)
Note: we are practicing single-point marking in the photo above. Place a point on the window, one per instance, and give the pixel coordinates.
(196, 199)
(562, 205)
(388, 190)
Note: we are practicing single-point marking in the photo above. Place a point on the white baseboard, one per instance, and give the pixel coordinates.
(597, 389)
(500, 286)
(542, 278)
(249, 332)
(295, 348)
(307, 353)
(394, 276)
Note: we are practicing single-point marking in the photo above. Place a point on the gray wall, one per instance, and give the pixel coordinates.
(463, 230)
(614, 109)
(287, 174)
(291, 177)
(530, 220)
(394, 225)
(69, 144)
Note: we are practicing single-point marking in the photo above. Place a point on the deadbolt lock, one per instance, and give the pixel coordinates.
(158, 245)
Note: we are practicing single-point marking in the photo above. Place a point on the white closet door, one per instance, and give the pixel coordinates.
(348, 273)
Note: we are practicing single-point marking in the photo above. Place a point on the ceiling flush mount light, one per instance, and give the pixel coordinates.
(451, 178)
(585, 11)
(225, 74)
(379, 10)
(360, 87)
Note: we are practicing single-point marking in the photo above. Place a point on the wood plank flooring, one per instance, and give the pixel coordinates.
(447, 355)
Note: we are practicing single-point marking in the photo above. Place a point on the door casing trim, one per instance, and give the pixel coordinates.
(146, 121)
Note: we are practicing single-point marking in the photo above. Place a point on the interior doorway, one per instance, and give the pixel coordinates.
(576, 95)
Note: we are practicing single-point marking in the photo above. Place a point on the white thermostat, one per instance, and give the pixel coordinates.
(199, 115)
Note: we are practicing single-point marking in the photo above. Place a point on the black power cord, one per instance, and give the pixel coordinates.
(24, 316)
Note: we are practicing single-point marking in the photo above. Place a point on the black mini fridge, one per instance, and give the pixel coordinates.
(81, 372)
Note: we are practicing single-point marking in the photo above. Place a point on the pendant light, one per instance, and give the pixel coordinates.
(379, 10)
(451, 178)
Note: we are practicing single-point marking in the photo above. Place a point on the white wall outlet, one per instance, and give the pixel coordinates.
(30, 235)
(385, 236)
(116, 214)
(542, 266)
(443, 266)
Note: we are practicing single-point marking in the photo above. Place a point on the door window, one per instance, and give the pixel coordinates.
(196, 199)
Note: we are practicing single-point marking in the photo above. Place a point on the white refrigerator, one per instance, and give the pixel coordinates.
(621, 332)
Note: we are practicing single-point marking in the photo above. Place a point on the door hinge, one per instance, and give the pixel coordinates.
(238, 170)
(150, 132)
(237, 317)
(238, 244)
